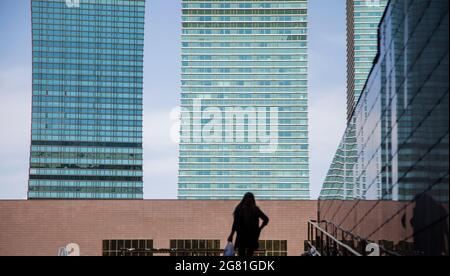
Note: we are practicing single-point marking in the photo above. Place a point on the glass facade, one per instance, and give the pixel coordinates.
(400, 172)
(87, 99)
(363, 18)
(339, 183)
(244, 75)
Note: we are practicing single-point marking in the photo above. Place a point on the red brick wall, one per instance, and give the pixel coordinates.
(42, 227)
(380, 220)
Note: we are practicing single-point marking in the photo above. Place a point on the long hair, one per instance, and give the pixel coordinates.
(248, 202)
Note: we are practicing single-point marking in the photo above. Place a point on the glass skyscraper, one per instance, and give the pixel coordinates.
(244, 106)
(401, 127)
(87, 99)
(363, 18)
(399, 130)
(339, 183)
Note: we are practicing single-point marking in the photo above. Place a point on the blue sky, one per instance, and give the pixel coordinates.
(162, 90)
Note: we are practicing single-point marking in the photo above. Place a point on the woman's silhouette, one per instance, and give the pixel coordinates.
(246, 225)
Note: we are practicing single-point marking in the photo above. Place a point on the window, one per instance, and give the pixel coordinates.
(272, 248)
(127, 248)
(195, 247)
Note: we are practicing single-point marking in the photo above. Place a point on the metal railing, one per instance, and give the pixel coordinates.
(331, 240)
(325, 241)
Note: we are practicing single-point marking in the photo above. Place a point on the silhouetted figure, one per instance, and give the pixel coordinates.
(247, 226)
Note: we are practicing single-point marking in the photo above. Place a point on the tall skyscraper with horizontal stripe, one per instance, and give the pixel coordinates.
(87, 99)
(244, 105)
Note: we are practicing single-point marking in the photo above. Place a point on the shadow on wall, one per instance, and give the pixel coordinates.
(430, 224)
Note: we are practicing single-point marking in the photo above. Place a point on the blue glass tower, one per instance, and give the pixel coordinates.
(396, 144)
(363, 18)
(400, 126)
(244, 106)
(87, 99)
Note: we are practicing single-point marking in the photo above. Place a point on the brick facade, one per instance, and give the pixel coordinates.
(42, 227)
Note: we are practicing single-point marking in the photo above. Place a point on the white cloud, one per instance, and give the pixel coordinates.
(13, 179)
(160, 156)
(327, 75)
(161, 176)
(327, 126)
(161, 166)
(15, 127)
(157, 130)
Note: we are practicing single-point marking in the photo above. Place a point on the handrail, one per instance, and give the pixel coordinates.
(390, 252)
(339, 243)
(343, 230)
